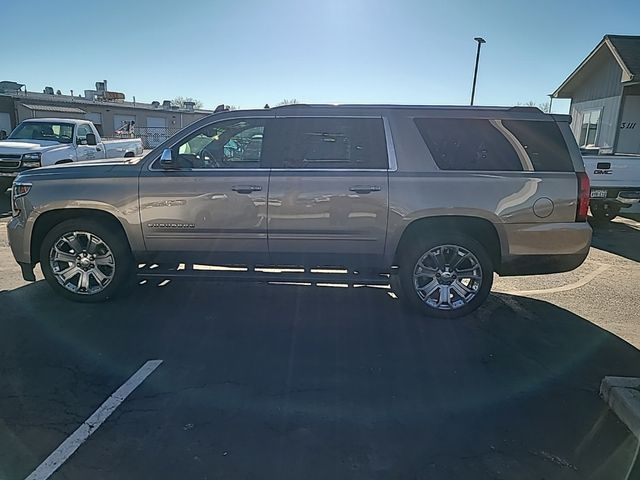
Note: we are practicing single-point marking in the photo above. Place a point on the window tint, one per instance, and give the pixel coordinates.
(229, 144)
(543, 143)
(495, 145)
(81, 135)
(330, 143)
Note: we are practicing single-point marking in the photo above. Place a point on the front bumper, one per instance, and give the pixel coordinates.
(16, 232)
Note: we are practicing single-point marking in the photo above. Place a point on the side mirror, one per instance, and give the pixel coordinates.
(166, 159)
(91, 139)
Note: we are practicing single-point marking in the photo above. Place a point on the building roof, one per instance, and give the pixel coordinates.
(626, 51)
(46, 98)
(53, 108)
(628, 48)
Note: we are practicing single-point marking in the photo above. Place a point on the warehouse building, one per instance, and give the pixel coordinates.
(112, 115)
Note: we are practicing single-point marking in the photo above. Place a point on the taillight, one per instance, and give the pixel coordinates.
(583, 197)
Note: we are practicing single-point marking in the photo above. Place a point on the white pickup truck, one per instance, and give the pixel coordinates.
(41, 142)
(615, 184)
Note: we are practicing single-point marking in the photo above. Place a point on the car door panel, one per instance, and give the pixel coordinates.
(319, 218)
(334, 210)
(211, 215)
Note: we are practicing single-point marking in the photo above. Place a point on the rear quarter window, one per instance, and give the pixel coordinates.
(544, 144)
(495, 144)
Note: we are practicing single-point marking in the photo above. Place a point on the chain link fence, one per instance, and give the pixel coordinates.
(153, 136)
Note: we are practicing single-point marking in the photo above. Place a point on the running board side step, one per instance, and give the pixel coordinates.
(251, 276)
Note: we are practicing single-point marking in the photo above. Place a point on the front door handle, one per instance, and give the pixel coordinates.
(364, 188)
(246, 188)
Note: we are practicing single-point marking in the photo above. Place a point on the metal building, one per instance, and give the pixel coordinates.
(112, 115)
(605, 96)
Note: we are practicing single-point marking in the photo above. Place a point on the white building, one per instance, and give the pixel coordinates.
(605, 96)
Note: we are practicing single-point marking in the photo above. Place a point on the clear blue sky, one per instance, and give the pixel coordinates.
(251, 52)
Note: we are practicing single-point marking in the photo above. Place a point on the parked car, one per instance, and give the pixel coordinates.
(51, 141)
(615, 184)
(432, 199)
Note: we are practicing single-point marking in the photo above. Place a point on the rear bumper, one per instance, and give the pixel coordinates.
(541, 264)
(535, 249)
(622, 197)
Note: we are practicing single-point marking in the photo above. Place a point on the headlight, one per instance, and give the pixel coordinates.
(31, 160)
(19, 189)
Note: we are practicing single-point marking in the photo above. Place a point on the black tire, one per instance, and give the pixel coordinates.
(603, 212)
(116, 242)
(419, 247)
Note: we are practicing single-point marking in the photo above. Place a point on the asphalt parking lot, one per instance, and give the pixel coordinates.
(272, 381)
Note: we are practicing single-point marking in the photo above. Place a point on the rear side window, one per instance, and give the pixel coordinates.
(341, 143)
(495, 145)
(544, 144)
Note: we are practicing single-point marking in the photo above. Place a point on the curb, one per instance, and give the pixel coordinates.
(622, 394)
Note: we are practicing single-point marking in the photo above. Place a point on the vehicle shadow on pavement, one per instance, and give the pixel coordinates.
(618, 238)
(290, 382)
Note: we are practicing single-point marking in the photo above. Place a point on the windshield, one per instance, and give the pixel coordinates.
(52, 131)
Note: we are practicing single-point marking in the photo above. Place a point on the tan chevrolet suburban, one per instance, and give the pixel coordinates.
(433, 200)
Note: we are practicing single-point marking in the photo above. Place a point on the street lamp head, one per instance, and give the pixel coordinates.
(480, 40)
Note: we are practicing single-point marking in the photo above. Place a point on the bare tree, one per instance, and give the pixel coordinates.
(542, 106)
(180, 101)
(286, 101)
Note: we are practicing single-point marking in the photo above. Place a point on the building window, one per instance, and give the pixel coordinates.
(589, 127)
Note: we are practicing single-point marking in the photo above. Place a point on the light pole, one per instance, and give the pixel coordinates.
(550, 101)
(480, 41)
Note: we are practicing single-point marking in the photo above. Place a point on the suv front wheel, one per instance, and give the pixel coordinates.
(85, 261)
(445, 276)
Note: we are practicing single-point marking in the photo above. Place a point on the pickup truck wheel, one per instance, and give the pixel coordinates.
(603, 212)
(85, 261)
(445, 276)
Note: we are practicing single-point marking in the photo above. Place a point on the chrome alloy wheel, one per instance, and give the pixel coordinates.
(82, 263)
(447, 277)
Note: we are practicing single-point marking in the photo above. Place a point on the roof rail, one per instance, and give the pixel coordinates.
(288, 105)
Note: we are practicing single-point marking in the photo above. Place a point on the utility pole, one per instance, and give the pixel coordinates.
(480, 41)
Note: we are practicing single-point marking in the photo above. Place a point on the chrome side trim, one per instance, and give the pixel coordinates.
(186, 170)
(311, 115)
(362, 170)
(391, 149)
(391, 152)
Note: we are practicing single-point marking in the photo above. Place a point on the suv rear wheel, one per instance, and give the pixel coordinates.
(445, 276)
(85, 261)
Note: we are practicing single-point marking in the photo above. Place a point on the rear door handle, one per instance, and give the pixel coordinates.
(364, 188)
(246, 188)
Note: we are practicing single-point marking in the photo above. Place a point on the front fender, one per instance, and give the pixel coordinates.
(53, 156)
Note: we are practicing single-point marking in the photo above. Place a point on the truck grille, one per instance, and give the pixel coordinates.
(9, 162)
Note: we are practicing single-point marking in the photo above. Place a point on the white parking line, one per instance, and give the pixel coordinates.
(91, 424)
(564, 288)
